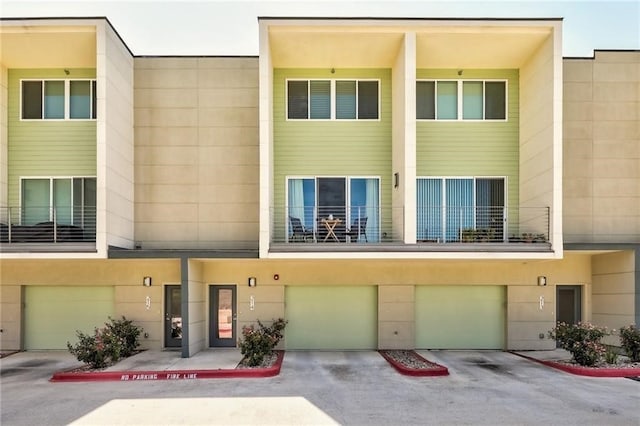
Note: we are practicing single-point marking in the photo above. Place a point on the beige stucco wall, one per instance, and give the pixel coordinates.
(396, 317)
(4, 141)
(124, 275)
(613, 291)
(396, 281)
(540, 139)
(602, 148)
(197, 322)
(114, 138)
(196, 152)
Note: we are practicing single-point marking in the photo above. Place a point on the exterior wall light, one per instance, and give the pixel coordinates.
(542, 280)
(252, 281)
(146, 281)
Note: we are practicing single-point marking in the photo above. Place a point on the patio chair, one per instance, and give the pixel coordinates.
(298, 231)
(358, 227)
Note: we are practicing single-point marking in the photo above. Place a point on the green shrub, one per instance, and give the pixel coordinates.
(127, 333)
(611, 357)
(630, 342)
(582, 340)
(259, 342)
(106, 346)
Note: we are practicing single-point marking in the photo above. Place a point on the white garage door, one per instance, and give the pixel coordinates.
(331, 317)
(52, 314)
(460, 317)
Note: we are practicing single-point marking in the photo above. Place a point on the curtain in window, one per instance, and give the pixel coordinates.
(373, 210)
(459, 202)
(54, 99)
(447, 100)
(345, 100)
(472, 100)
(429, 215)
(296, 199)
(320, 91)
(62, 201)
(80, 99)
(297, 99)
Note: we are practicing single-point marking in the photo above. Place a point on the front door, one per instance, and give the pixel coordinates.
(172, 316)
(568, 301)
(222, 316)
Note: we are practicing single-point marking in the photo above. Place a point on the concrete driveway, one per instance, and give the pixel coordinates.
(328, 388)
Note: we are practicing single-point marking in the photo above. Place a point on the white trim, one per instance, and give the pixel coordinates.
(347, 179)
(332, 101)
(460, 97)
(67, 99)
(51, 189)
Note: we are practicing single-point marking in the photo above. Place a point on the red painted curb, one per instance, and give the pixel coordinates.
(423, 372)
(585, 371)
(135, 376)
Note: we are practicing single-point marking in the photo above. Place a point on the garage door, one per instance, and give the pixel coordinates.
(331, 318)
(460, 317)
(53, 314)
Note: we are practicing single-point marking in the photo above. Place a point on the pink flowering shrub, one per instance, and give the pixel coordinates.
(582, 340)
(106, 346)
(630, 342)
(257, 343)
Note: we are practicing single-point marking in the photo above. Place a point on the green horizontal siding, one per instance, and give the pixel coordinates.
(459, 148)
(44, 147)
(331, 148)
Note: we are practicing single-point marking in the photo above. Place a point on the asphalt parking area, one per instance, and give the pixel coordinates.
(334, 387)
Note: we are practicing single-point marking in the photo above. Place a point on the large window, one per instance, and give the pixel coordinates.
(350, 199)
(448, 207)
(333, 99)
(58, 99)
(67, 201)
(461, 100)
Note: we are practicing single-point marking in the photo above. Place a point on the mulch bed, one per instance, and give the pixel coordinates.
(409, 363)
(621, 369)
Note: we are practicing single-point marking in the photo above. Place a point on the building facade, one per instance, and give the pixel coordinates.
(379, 183)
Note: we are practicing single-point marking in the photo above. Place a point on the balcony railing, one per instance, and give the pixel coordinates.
(474, 224)
(435, 225)
(47, 225)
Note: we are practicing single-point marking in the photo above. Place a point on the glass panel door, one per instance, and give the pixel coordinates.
(62, 201)
(490, 211)
(459, 202)
(222, 316)
(36, 198)
(173, 316)
(332, 202)
(430, 210)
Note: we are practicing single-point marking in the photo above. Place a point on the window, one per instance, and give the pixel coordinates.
(332, 99)
(58, 99)
(461, 100)
(346, 198)
(448, 206)
(67, 201)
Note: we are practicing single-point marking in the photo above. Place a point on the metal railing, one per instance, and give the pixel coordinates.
(337, 224)
(434, 225)
(47, 224)
(474, 224)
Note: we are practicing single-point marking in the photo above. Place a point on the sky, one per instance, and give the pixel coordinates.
(212, 27)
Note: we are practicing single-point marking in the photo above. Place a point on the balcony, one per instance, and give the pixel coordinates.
(438, 229)
(47, 229)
